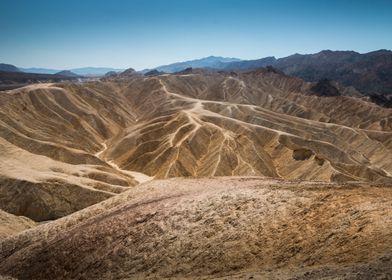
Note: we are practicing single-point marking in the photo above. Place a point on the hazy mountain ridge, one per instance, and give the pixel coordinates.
(206, 62)
(8, 68)
(84, 71)
(11, 80)
(370, 73)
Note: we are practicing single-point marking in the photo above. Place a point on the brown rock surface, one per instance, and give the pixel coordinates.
(211, 228)
(11, 224)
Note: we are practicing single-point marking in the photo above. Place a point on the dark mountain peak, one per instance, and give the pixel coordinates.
(272, 69)
(269, 60)
(212, 57)
(153, 72)
(330, 55)
(270, 57)
(245, 65)
(191, 70)
(294, 56)
(325, 52)
(324, 87)
(329, 52)
(128, 72)
(265, 70)
(188, 70)
(218, 58)
(211, 62)
(8, 68)
(67, 73)
(382, 100)
(10, 80)
(379, 52)
(111, 74)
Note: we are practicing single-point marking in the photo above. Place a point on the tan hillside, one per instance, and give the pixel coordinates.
(215, 124)
(211, 228)
(11, 224)
(45, 189)
(67, 146)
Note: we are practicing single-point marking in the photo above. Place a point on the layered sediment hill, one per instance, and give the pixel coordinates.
(50, 136)
(251, 124)
(74, 144)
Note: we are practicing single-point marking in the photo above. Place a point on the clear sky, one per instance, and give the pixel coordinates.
(146, 33)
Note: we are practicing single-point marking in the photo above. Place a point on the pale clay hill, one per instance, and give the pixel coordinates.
(100, 138)
(67, 146)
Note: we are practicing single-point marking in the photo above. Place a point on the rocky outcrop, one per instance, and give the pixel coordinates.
(324, 87)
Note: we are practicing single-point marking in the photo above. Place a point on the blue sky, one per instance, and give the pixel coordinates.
(146, 33)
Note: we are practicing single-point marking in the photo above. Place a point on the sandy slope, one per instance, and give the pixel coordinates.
(211, 228)
(44, 189)
(11, 224)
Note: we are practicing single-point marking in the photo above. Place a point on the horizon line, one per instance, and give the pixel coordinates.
(189, 60)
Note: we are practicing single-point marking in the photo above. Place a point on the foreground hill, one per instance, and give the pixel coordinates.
(211, 228)
(96, 139)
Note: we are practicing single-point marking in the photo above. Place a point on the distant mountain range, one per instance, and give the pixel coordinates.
(15, 79)
(213, 62)
(370, 73)
(85, 71)
(8, 68)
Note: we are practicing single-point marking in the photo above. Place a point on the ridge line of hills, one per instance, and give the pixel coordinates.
(370, 73)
